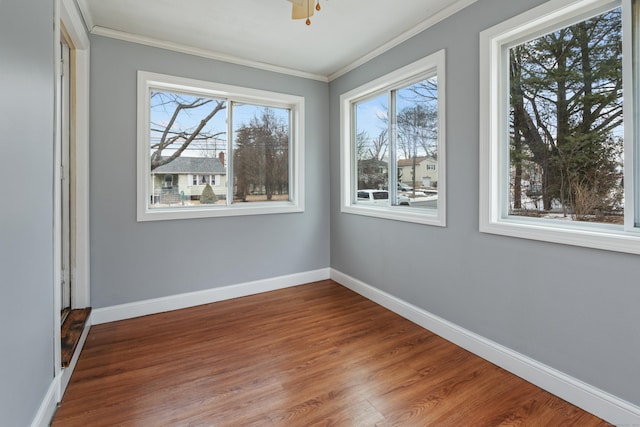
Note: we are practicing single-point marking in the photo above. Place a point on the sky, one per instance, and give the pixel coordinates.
(372, 113)
(189, 119)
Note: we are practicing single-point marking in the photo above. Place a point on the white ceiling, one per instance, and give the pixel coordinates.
(261, 33)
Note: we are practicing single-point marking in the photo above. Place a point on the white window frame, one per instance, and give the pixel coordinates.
(149, 80)
(433, 64)
(494, 102)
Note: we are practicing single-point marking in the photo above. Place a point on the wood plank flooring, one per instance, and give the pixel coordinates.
(312, 355)
(72, 329)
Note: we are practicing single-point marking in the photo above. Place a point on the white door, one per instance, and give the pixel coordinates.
(65, 175)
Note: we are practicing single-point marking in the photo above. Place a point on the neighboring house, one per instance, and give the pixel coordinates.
(426, 171)
(186, 177)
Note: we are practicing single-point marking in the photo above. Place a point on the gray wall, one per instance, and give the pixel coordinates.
(26, 217)
(572, 308)
(133, 261)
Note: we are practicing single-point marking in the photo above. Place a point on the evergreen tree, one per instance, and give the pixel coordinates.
(566, 105)
(208, 197)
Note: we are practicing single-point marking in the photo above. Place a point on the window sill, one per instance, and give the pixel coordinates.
(596, 236)
(265, 208)
(398, 213)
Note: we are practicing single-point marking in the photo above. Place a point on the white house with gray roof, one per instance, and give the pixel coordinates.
(184, 179)
(426, 171)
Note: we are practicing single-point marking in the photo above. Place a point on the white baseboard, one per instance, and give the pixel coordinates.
(600, 403)
(126, 311)
(191, 299)
(47, 407)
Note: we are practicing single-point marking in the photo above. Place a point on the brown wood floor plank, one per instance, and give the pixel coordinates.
(316, 354)
(71, 331)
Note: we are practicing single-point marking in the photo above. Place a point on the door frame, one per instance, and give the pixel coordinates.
(66, 14)
(66, 181)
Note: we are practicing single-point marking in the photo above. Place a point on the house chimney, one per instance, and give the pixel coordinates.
(221, 157)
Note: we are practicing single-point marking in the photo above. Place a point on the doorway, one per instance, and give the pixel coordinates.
(71, 198)
(71, 302)
(65, 190)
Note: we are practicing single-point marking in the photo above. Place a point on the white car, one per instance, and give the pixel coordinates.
(379, 197)
(374, 197)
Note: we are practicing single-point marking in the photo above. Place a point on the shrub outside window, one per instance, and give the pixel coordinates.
(207, 149)
(557, 142)
(392, 145)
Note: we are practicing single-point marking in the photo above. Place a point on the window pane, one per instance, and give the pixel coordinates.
(566, 129)
(390, 156)
(260, 153)
(372, 146)
(187, 143)
(416, 152)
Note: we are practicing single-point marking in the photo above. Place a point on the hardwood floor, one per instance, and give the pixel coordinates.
(316, 354)
(70, 333)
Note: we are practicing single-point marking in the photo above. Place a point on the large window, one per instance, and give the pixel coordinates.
(557, 141)
(207, 149)
(393, 156)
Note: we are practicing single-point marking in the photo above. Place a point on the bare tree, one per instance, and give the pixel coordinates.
(362, 142)
(417, 133)
(174, 135)
(261, 156)
(378, 147)
(372, 169)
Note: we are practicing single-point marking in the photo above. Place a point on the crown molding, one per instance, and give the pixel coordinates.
(190, 50)
(434, 19)
(181, 48)
(86, 14)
